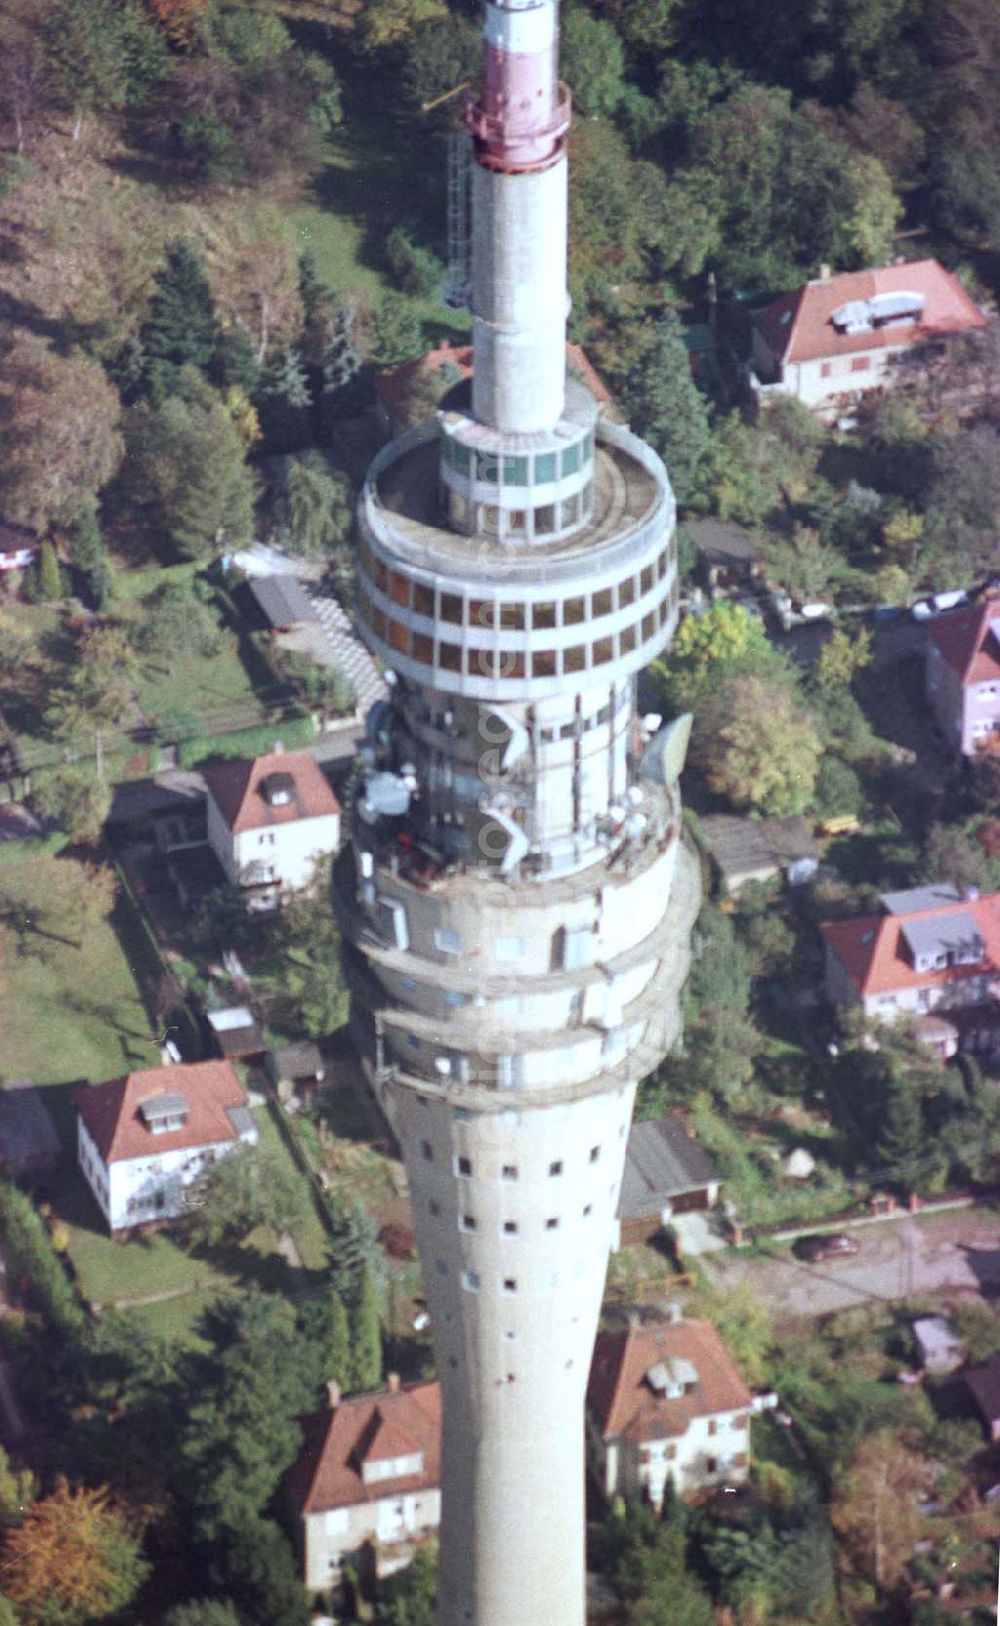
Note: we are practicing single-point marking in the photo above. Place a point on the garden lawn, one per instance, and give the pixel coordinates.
(71, 1006)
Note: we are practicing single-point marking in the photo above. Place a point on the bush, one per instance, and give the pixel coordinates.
(416, 270)
(33, 1262)
(838, 789)
(247, 742)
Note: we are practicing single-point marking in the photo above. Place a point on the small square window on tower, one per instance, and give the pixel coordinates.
(463, 1166)
(510, 1284)
(595, 1152)
(509, 1171)
(556, 1167)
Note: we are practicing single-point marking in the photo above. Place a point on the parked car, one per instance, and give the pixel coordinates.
(835, 1245)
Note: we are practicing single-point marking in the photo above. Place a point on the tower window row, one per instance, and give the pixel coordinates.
(463, 1166)
(492, 615)
(494, 664)
(516, 468)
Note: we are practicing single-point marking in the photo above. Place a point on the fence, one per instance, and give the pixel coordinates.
(151, 966)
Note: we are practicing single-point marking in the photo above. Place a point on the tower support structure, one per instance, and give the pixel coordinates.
(517, 898)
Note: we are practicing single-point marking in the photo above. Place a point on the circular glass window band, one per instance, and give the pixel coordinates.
(516, 468)
(424, 610)
(480, 671)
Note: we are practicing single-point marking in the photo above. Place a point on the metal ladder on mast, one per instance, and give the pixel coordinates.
(456, 291)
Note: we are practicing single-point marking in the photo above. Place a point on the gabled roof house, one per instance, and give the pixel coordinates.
(963, 675)
(144, 1140)
(368, 1474)
(666, 1401)
(931, 949)
(837, 336)
(269, 821)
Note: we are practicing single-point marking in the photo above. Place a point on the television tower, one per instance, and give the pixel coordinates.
(516, 900)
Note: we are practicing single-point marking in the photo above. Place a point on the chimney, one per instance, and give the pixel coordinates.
(824, 272)
(333, 1395)
(675, 1312)
(277, 748)
(634, 1321)
(392, 1383)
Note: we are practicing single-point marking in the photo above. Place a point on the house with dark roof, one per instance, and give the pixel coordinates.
(838, 336)
(145, 1139)
(29, 1144)
(269, 821)
(368, 1476)
(762, 850)
(666, 1174)
(963, 675)
(932, 949)
(983, 1383)
(666, 1401)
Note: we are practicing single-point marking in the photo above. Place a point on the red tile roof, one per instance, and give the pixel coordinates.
(393, 387)
(236, 789)
(874, 955)
(625, 1405)
(119, 1131)
(798, 326)
(969, 640)
(368, 1428)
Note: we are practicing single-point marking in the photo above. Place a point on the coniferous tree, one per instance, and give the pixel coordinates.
(354, 1249)
(667, 407)
(366, 1335)
(286, 403)
(312, 509)
(90, 557)
(236, 364)
(341, 369)
(182, 329)
(340, 1364)
(50, 587)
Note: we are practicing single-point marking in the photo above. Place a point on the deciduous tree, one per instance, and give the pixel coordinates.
(874, 1507)
(73, 1559)
(77, 800)
(247, 1188)
(758, 747)
(59, 425)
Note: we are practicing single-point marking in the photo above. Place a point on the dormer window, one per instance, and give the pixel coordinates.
(278, 789)
(392, 1468)
(163, 1113)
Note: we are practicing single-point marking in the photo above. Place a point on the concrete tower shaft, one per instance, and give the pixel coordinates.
(517, 898)
(519, 299)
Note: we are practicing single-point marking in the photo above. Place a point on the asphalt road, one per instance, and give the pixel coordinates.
(942, 1254)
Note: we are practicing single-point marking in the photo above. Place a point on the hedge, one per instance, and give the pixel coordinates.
(247, 742)
(25, 847)
(32, 1261)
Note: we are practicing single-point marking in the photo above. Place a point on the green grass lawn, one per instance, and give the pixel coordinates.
(71, 1006)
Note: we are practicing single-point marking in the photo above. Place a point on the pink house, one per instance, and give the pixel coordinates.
(963, 675)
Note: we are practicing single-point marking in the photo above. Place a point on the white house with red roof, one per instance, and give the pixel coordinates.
(931, 949)
(666, 1401)
(269, 821)
(963, 675)
(368, 1474)
(143, 1140)
(838, 336)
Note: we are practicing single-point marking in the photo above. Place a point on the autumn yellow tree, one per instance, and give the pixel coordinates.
(59, 428)
(758, 747)
(73, 1560)
(874, 1507)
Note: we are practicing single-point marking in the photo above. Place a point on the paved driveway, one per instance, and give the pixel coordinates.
(942, 1254)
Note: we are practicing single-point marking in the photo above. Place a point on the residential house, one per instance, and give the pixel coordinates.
(838, 336)
(144, 1140)
(666, 1174)
(983, 1383)
(269, 821)
(666, 1401)
(368, 1476)
(963, 675)
(931, 949)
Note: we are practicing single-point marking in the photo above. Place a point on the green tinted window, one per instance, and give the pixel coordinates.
(461, 458)
(488, 467)
(515, 471)
(545, 467)
(571, 459)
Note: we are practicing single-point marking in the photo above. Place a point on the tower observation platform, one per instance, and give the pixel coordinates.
(516, 900)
